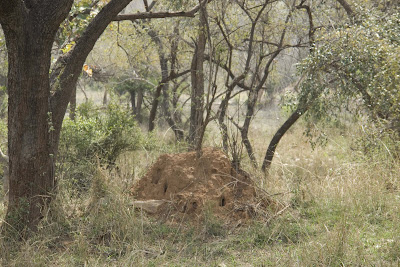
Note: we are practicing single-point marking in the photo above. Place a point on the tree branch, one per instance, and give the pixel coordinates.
(311, 24)
(157, 94)
(158, 15)
(347, 8)
(84, 12)
(68, 67)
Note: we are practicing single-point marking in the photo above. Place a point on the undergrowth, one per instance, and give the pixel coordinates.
(341, 208)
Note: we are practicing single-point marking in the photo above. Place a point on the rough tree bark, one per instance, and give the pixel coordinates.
(197, 80)
(38, 101)
(36, 105)
(29, 30)
(72, 105)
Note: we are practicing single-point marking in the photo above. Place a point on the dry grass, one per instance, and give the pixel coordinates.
(342, 210)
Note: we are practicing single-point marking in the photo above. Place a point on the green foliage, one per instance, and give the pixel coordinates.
(82, 12)
(377, 145)
(96, 136)
(344, 212)
(355, 68)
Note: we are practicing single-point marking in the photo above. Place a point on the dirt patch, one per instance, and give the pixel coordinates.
(191, 185)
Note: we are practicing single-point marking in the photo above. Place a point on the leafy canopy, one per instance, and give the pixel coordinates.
(356, 67)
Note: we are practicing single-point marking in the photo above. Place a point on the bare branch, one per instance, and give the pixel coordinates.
(234, 123)
(347, 7)
(157, 95)
(158, 15)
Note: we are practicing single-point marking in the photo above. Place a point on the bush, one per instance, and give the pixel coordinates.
(354, 69)
(95, 136)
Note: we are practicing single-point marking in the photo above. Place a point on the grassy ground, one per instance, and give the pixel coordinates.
(342, 209)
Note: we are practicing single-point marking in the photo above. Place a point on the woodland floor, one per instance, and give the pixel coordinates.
(337, 207)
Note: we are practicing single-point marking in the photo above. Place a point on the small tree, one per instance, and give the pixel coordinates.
(355, 68)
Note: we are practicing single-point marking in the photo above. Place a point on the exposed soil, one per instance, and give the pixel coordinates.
(192, 186)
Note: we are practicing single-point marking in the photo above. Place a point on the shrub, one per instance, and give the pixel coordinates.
(95, 136)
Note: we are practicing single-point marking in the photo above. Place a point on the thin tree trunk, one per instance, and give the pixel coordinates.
(139, 106)
(197, 79)
(156, 98)
(244, 131)
(175, 100)
(84, 92)
(277, 137)
(72, 105)
(133, 102)
(105, 97)
(221, 119)
(347, 8)
(164, 89)
(154, 106)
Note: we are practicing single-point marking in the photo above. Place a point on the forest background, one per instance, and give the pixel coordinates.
(173, 76)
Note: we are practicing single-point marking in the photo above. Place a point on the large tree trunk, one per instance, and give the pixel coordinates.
(36, 112)
(38, 101)
(29, 32)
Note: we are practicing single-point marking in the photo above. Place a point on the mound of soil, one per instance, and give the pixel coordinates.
(189, 186)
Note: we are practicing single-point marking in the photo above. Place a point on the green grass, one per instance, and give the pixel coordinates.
(342, 209)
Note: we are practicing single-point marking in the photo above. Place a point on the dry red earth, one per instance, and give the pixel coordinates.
(189, 186)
